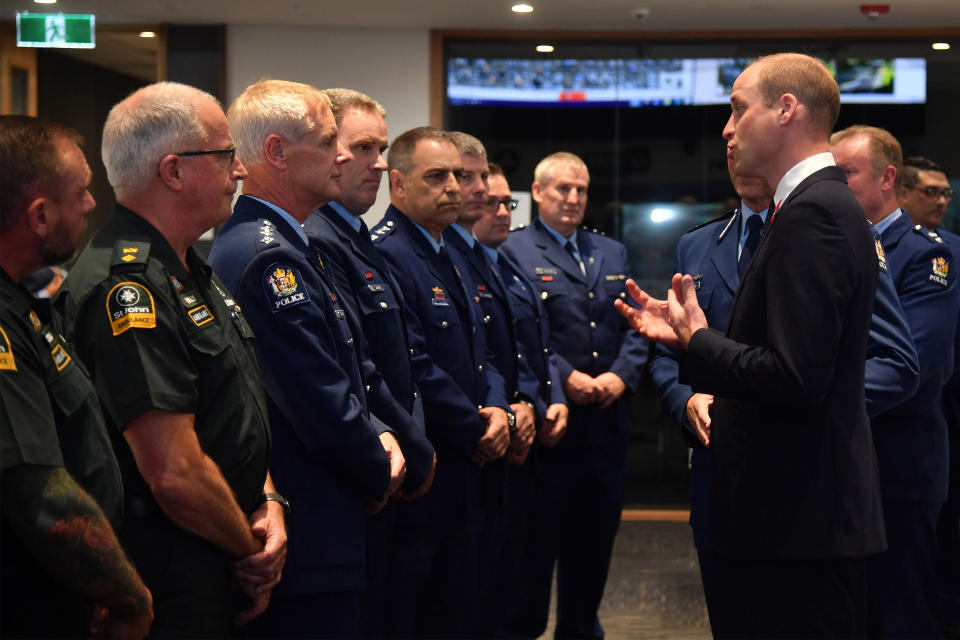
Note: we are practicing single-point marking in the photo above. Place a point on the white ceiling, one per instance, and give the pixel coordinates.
(614, 15)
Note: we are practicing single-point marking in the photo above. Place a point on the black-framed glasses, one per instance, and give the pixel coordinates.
(231, 153)
(935, 192)
(493, 203)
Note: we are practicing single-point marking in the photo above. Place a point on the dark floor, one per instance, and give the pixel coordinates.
(653, 590)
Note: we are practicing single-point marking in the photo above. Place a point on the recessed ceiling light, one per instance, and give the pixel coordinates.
(941, 46)
(544, 48)
(148, 34)
(45, 1)
(523, 7)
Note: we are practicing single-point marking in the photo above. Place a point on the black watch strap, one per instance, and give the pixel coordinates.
(276, 497)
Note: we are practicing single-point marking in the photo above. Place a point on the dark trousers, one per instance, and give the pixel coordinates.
(334, 614)
(434, 579)
(904, 600)
(374, 597)
(573, 523)
(785, 598)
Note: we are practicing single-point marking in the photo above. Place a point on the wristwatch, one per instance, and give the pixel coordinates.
(276, 497)
(511, 421)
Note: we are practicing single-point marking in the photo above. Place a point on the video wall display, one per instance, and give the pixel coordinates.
(642, 82)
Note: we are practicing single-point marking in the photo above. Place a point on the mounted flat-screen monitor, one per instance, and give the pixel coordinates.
(545, 82)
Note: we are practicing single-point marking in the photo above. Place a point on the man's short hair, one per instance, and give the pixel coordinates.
(544, 170)
(272, 107)
(884, 148)
(401, 149)
(467, 145)
(495, 170)
(343, 100)
(150, 123)
(912, 167)
(807, 79)
(29, 162)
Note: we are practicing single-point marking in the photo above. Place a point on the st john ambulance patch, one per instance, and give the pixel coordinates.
(130, 306)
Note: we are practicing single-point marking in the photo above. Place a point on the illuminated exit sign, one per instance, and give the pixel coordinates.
(60, 30)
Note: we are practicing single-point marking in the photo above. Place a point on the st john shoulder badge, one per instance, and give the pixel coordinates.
(130, 306)
(7, 362)
(283, 287)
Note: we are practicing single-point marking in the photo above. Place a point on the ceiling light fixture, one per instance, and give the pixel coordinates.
(544, 48)
(523, 7)
(148, 34)
(940, 46)
(45, 1)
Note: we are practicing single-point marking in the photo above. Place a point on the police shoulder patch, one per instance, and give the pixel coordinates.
(881, 254)
(283, 286)
(930, 235)
(939, 267)
(130, 305)
(129, 252)
(382, 230)
(7, 361)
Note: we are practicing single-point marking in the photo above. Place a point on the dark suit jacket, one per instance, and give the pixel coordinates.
(911, 437)
(586, 331)
(327, 455)
(374, 301)
(795, 472)
(449, 364)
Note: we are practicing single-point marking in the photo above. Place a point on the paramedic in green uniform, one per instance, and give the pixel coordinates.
(63, 571)
(171, 357)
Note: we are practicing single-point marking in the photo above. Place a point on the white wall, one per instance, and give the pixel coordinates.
(392, 66)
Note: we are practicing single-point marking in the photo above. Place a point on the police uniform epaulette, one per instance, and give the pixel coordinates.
(382, 230)
(130, 252)
(268, 232)
(518, 227)
(932, 236)
(717, 219)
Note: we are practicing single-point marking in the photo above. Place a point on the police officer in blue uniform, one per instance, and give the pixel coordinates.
(533, 333)
(911, 437)
(718, 252)
(924, 192)
(578, 275)
(464, 399)
(369, 293)
(334, 458)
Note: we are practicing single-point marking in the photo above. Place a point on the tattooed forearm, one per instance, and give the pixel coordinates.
(72, 538)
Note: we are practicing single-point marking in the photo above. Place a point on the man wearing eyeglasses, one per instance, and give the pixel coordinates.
(172, 359)
(924, 191)
(911, 437)
(532, 333)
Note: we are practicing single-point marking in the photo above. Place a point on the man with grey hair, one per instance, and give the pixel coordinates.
(370, 293)
(338, 456)
(171, 357)
(578, 275)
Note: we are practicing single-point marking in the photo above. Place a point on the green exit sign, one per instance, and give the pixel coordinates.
(60, 30)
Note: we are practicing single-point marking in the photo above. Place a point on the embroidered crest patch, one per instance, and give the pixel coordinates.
(940, 269)
(60, 357)
(7, 361)
(439, 298)
(281, 283)
(130, 306)
(881, 254)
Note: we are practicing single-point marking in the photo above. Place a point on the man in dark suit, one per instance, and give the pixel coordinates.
(711, 251)
(911, 437)
(334, 458)
(795, 500)
(373, 299)
(577, 274)
(465, 406)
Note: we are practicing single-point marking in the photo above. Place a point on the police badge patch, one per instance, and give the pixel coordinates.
(130, 306)
(940, 267)
(282, 286)
(881, 255)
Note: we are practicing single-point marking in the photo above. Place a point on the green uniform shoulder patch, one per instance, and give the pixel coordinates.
(129, 252)
(7, 361)
(130, 306)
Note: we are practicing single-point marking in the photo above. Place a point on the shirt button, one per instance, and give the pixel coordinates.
(383, 305)
(444, 324)
(590, 295)
(593, 325)
(549, 382)
(543, 295)
(623, 295)
(546, 350)
(519, 356)
(350, 342)
(596, 355)
(486, 319)
(368, 388)
(415, 395)
(411, 352)
(480, 367)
